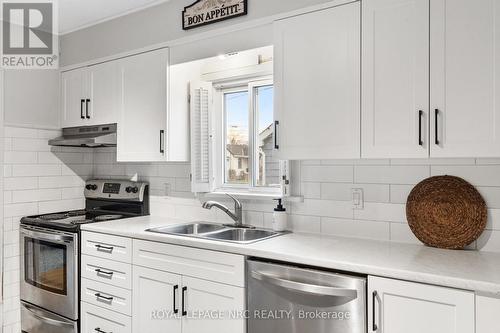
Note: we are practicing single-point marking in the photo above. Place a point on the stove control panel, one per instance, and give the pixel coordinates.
(115, 189)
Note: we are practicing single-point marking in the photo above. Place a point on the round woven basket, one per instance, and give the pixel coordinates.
(446, 212)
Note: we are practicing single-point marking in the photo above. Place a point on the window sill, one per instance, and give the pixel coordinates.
(250, 195)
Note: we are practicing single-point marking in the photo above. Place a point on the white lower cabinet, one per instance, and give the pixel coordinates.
(487, 311)
(176, 296)
(212, 307)
(95, 319)
(398, 306)
(156, 301)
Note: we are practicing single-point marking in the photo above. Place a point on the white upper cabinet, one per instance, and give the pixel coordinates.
(90, 95)
(104, 91)
(465, 78)
(142, 121)
(73, 98)
(395, 78)
(401, 306)
(317, 84)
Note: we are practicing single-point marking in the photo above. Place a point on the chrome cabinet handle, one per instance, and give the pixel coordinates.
(107, 298)
(374, 302)
(306, 288)
(100, 247)
(100, 271)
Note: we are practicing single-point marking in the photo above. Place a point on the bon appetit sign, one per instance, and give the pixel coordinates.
(204, 12)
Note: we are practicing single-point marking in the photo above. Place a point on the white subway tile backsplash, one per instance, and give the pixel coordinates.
(311, 190)
(399, 193)
(17, 157)
(411, 174)
(308, 224)
(330, 208)
(22, 170)
(24, 183)
(343, 192)
(382, 212)
(401, 233)
(353, 228)
(327, 174)
(479, 175)
(35, 195)
(23, 144)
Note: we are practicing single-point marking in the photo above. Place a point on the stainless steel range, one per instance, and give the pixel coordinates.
(50, 253)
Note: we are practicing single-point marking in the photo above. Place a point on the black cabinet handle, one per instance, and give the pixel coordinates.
(184, 289)
(420, 141)
(436, 127)
(176, 288)
(162, 136)
(82, 101)
(98, 295)
(276, 124)
(374, 301)
(87, 101)
(100, 271)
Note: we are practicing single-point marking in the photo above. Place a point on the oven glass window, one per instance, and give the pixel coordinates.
(45, 265)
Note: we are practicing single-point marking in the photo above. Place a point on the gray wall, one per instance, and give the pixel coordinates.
(31, 98)
(159, 24)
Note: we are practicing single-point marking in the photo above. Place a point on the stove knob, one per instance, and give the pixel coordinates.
(128, 189)
(91, 187)
(94, 187)
(88, 187)
(135, 189)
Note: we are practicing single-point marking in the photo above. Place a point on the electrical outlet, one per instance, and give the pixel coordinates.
(358, 201)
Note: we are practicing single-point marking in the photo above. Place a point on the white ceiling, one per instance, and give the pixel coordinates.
(78, 14)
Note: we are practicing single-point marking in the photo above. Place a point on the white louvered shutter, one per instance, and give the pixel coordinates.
(201, 141)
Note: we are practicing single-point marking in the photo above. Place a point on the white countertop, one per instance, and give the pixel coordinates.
(470, 270)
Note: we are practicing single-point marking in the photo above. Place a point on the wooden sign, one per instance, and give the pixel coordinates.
(204, 12)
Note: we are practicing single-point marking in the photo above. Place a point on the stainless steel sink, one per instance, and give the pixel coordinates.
(195, 228)
(216, 232)
(242, 235)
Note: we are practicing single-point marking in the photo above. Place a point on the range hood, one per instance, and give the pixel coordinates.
(87, 136)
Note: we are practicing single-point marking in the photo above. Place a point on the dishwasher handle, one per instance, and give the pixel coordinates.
(311, 289)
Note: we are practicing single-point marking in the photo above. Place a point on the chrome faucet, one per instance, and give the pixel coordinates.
(237, 216)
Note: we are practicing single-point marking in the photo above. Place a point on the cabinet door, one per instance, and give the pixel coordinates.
(487, 310)
(205, 297)
(142, 119)
(317, 84)
(156, 296)
(408, 307)
(73, 85)
(395, 94)
(103, 93)
(465, 53)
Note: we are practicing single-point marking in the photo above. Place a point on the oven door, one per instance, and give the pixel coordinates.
(37, 320)
(49, 270)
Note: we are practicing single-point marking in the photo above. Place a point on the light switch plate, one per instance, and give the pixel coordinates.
(358, 198)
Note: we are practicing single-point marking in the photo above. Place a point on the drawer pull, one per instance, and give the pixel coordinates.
(184, 290)
(176, 288)
(107, 298)
(99, 271)
(100, 247)
(98, 330)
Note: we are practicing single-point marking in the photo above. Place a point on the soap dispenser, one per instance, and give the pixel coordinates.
(279, 217)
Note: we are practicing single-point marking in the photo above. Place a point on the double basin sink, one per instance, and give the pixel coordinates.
(217, 232)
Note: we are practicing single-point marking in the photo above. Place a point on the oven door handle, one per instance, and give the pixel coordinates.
(45, 319)
(47, 236)
(306, 288)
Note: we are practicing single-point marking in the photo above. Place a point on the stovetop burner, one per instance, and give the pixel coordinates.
(107, 217)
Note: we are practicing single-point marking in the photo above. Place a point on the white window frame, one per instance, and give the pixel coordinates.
(219, 134)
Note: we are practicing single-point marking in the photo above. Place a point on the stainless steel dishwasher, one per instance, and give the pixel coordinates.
(288, 299)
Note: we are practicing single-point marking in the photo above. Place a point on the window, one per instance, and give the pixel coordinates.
(248, 137)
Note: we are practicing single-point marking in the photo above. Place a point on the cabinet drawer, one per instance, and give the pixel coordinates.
(107, 296)
(107, 246)
(116, 273)
(209, 265)
(96, 319)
